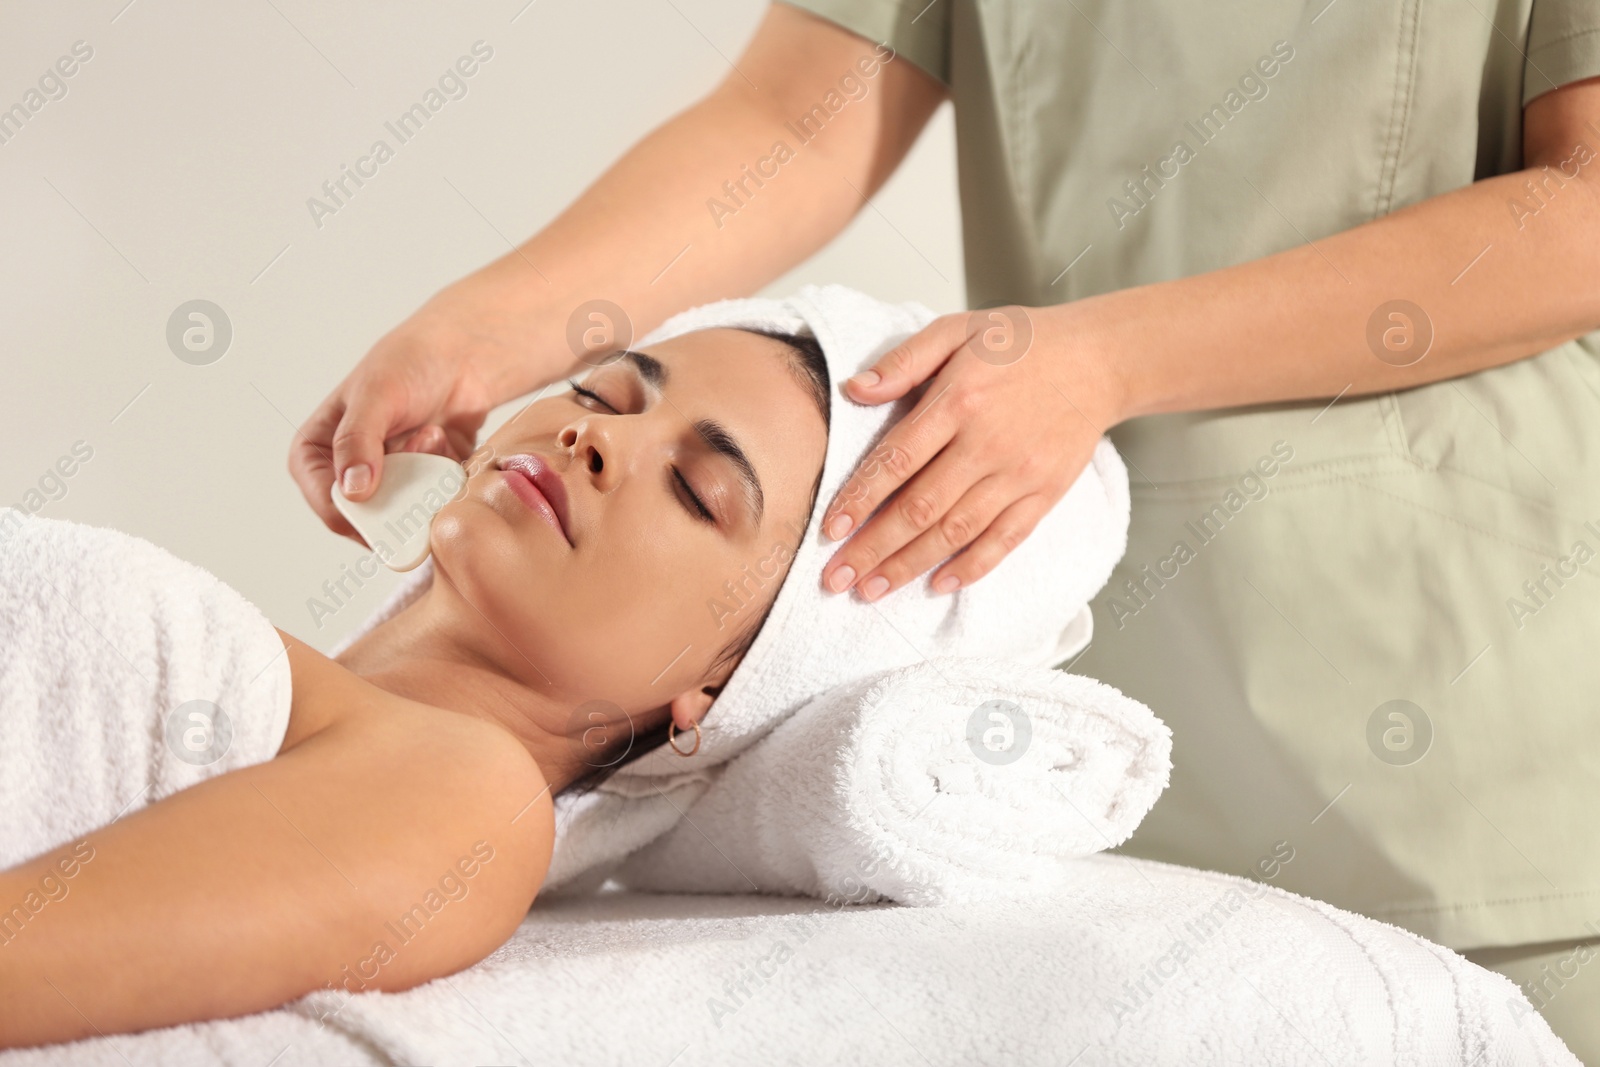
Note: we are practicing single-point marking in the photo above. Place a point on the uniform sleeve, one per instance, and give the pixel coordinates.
(916, 29)
(1563, 45)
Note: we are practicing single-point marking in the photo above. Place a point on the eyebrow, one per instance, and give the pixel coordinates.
(652, 370)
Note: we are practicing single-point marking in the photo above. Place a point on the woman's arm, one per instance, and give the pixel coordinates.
(383, 851)
(1493, 283)
(646, 237)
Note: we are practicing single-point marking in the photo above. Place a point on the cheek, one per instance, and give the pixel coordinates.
(673, 595)
(650, 592)
(741, 590)
(652, 579)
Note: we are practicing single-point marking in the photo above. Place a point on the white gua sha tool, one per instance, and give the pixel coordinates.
(395, 520)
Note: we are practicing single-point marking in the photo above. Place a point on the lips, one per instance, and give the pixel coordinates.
(540, 488)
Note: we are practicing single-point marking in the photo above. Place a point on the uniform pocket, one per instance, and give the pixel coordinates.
(1204, 450)
(1528, 431)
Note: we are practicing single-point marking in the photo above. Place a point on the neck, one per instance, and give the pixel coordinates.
(440, 650)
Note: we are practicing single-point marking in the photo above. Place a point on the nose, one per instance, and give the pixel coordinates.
(594, 450)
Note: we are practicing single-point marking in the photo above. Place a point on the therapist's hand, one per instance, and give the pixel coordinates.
(426, 386)
(1017, 400)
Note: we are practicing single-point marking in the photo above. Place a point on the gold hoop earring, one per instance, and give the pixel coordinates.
(672, 733)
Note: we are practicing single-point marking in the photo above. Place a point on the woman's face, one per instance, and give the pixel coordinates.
(672, 501)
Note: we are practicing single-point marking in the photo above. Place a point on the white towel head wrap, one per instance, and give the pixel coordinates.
(812, 639)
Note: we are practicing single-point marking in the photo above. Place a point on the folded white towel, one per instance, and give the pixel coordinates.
(105, 640)
(944, 782)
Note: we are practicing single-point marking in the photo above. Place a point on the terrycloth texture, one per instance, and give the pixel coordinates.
(813, 640)
(103, 635)
(1138, 964)
(912, 786)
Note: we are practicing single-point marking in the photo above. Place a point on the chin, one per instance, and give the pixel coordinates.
(486, 554)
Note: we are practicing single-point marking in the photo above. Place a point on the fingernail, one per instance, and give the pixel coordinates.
(875, 587)
(947, 584)
(866, 379)
(839, 525)
(357, 478)
(840, 579)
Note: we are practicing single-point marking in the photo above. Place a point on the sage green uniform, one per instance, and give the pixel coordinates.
(1293, 569)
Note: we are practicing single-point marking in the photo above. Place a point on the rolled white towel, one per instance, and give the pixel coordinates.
(949, 781)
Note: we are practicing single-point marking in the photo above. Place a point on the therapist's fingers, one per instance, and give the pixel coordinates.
(919, 505)
(910, 363)
(1004, 534)
(461, 436)
(311, 464)
(955, 529)
(358, 442)
(908, 446)
(430, 439)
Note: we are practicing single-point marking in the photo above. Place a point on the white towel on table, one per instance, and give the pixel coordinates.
(103, 638)
(1139, 964)
(913, 786)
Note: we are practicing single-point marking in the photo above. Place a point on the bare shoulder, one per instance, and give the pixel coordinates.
(481, 759)
(427, 803)
(484, 768)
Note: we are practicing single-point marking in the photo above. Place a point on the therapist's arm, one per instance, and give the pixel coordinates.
(1000, 444)
(643, 237)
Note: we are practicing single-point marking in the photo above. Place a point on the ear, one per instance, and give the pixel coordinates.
(691, 706)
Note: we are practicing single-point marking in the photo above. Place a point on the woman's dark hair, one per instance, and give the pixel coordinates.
(810, 367)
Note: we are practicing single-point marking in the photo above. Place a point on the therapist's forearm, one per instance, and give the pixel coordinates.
(642, 235)
(1294, 325)
(646, 236)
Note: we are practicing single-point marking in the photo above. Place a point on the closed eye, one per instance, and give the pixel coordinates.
(696, 506)
(590, 394)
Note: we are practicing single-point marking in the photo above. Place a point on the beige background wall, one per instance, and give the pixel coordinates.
(177, 165)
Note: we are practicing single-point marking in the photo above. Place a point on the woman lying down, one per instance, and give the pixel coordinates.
(420, 765)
